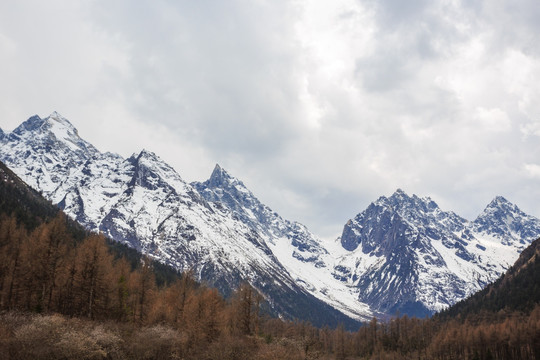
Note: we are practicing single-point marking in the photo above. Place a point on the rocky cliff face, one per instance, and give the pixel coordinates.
(412, 257)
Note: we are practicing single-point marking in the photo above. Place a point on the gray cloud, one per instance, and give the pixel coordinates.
(223, 71)
(320, 107)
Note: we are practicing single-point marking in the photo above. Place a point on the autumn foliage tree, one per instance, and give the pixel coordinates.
(46, 270)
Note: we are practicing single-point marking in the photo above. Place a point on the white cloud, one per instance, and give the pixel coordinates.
(533, 170)
(494, 120)
(531, 128)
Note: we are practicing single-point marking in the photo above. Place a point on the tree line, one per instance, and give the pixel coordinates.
(64, 297)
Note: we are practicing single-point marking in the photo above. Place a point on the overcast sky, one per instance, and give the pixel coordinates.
(320, 107)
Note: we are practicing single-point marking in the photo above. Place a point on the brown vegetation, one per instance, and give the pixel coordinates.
(61, 299)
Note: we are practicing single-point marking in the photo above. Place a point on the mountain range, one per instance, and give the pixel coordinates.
(401, 254)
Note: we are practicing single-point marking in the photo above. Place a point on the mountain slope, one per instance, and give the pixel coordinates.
(144, 203)
(31, 209)
(231, 192)
(21, 201)
(517, 290)
(303, 255)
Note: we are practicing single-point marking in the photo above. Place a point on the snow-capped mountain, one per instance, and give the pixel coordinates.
(143, 202)
(403, 253)
(306, 258)
(43, 153)
(507, 223)
(408, 255)
(222, 188)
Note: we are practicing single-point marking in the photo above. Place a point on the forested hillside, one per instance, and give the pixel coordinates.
(24, 203)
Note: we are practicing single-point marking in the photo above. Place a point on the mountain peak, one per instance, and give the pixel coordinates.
(54, 124)
(54, 129)
(220, 177)
(33, 123)
(147, 162)
(501, 205)
(499, 201)
(401, 200)
(56, 117)
(218, 172)
(399, 196)
(147, 154)
(507, 222)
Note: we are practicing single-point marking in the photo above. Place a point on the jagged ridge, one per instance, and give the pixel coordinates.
(403, 253)
(408, 255)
